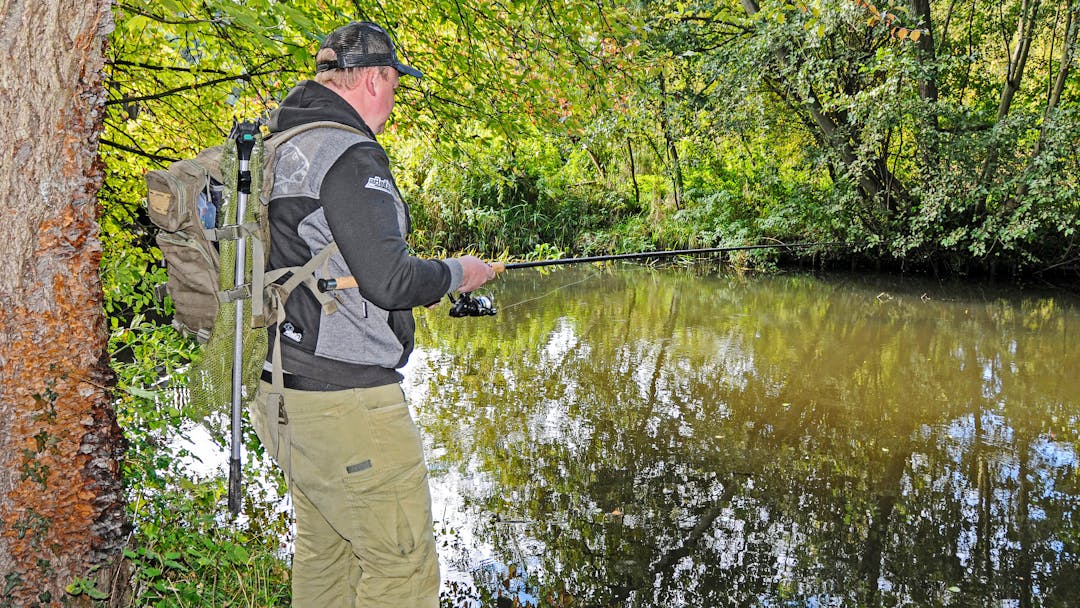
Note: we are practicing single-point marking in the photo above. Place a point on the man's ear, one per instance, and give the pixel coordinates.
(369, 81)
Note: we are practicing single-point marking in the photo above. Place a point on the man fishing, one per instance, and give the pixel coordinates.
(340, 427)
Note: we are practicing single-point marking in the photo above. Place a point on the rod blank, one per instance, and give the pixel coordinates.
(349, 282)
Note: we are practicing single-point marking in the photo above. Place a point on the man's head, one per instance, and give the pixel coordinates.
(358, 61)
(361, 44)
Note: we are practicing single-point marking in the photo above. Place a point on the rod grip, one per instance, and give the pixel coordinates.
(325, 285)
(498, 267)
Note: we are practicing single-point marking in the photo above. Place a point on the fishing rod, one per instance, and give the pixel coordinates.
(467, 305)
(502, 267)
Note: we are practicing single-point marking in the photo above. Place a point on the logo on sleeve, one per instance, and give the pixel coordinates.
(381, 184)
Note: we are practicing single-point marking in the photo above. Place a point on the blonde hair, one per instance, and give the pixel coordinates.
(347, 78)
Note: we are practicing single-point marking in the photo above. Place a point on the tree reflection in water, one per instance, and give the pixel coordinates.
(661, 438)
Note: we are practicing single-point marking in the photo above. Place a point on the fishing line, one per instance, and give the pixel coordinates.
(553, 291)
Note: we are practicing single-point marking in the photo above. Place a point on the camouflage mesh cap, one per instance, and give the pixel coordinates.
(361, 44)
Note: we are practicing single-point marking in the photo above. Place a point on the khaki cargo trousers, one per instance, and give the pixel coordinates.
(355, 465)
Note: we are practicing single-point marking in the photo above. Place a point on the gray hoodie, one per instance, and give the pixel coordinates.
(330, 184)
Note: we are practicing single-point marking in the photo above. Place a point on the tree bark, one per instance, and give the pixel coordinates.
(61, 504)
(1064, 67)
(928, 84)
(1029, 13)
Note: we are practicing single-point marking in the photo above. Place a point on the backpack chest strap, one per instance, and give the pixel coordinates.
(263, 309)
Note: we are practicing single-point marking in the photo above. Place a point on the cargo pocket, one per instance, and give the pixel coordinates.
(397, 440)
(392, 520)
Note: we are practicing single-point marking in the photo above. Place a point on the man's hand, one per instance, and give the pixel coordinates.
(475, 272)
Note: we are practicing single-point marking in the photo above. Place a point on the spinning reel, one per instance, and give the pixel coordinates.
(467, 305)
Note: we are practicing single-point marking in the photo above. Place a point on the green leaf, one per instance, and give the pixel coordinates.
(238, 554)
(141, 392)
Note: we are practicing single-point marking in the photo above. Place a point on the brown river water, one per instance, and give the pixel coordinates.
(627, 436)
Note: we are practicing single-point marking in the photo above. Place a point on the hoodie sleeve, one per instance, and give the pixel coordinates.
(367, 223)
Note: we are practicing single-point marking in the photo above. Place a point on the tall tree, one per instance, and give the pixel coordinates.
(61, 505)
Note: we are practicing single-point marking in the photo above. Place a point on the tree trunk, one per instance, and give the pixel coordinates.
(1025, 27)
(878, 185)
(669, 145)
(928, 85)
(928, 88)
(61, 505)
(1064, 67)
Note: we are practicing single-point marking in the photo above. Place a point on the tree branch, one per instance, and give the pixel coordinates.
(137, 151)
(190, 87)
(160, 19)
(169, 68)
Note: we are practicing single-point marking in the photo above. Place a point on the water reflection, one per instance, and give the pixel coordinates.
(661, 438)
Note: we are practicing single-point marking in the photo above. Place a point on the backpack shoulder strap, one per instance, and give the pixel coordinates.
(263, 308)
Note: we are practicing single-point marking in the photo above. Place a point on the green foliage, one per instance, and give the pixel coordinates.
(87, 587)
(920, 153)
(183, 551)
(717, 121)
(178, 567)
(493, 196)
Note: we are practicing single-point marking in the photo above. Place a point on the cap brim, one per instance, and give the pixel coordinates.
(411, 71)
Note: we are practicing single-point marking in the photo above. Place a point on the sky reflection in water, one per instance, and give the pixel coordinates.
(661, 438)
